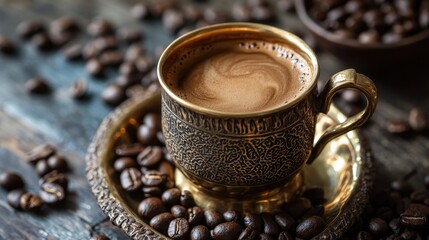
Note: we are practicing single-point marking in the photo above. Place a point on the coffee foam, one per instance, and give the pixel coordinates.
(239, 77)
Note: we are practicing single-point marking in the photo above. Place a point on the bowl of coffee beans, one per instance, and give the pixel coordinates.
(370, 34)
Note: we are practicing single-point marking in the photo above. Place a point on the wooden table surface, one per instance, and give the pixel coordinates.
(27, 120)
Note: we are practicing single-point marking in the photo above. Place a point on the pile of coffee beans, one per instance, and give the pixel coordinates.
(384, 21)
(417, 122)
(145, 171)
(53, 182)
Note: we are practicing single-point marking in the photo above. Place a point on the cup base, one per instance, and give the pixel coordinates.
(266, 201)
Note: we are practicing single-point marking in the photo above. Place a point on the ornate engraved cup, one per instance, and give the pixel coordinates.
(235, 154)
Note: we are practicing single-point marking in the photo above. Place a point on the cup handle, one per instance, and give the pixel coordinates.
(341, 80)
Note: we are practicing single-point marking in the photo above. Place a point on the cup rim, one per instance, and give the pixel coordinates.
(282, 34)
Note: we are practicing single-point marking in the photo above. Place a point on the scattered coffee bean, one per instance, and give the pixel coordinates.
(262, 14)
(418, 119)
(29, 201)
(253, 221)
(64, 24)
(161, 222)
(264, 236)
(52, 193)
(123, 163)
(99, 237)
(151, 207)
(212, 218)
(196, 216)
(167, 169)
(111, 58)
(152, 191)
(40, 152)
(59, 40)
(200, 232)
(29, 28)
(100, 27)
(226, 231)
(14, 198)
(173, 20)
(284, 221)
(147, 135)
(179, 211)
(187, 200)
(73, 52)
(192, 13)
(140, 11)
(178, 228)
(131, 179)
(150, 156)
(241, 12)
(135, 91)
(11, 181)
(95, 68)
(79, 89)
(129, 35)
(55, 177)
(42, 41)
(7, 46)
(113, 95)
(399, 127)
(171, 196)
(134, 51)
(286, 5)
(310, 227)
(232, 215)
(37, 85)
(212, 15)
(270, 226)
(57, 162)
(378, 227)
(318, 210)
(402, 186)
(153, 178)
(129, 150)
(42, 167)
(249, 233)
(157, 8)
(416, 216)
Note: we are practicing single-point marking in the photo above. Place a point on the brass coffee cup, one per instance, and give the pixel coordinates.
(236, 154)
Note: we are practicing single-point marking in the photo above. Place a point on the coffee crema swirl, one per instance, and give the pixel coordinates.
(240, 78)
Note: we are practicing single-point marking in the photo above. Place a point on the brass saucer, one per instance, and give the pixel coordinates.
(345, 170)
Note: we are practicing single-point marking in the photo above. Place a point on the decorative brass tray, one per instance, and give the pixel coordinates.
(345, 170)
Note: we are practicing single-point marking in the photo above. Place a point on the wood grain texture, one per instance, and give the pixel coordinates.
(27, 121)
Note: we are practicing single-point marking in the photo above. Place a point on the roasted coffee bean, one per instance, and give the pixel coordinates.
(150, 156)
(270, 226)
(316, 194)
(153, 178)
(212, 218)
(264, 236)
(57, 162)
(179, 211)
(171, 196)
(196, 216)
(151, 207)
(42, 41)
(391, 37)
(399, 127)
(14, 198)
(7, 46)
(378, 227)
(140, 11)
(418, 119)
(127, 81)
(152, 120)
(249, 233)
(161, 138)
(178, 228)
(395, 225)
(134, 51)
(91, 51)
(123, 163)
(262, 14)
(409, 235)
(419, 196)
(152, 191)
(363, 235)
(95, 68)
(241, 12)
(37, 85)
(130, 35)
(29, 28)
(144, 63)
(424, 18)
(285, 236)
(135, 91)
(99, 237)
(187, 199)
(100, 27)
(318, 210)
(284, 221)
(385, 213)
(29, 201)
(370, 36)
(212, 15)
(161, 222)
(73, 52)
(11, 181)
(157, 8)
(344, 33)
(173, 20)
(200, 232)
(113, 95)
(42, 167)
(79, 89)
(64, 24)
(131, 179)
(226, 231)
(167, 168)
(149, 79)
(55, 177)
(111, 58)
(257, 3)
(298, 206)
(402, 187)
(416, 216)
(52, 193)
(232, 215)
(129, 150)
(310, 227)
(253, 221)
(128, 69)
(62, 39)
(286, 5)
(192, 13)
(146, 135)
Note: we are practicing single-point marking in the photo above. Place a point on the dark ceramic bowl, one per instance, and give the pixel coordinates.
(411, 51)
